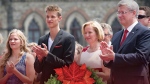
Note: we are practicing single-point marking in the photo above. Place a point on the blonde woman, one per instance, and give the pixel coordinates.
(16, 66)
(93, 34)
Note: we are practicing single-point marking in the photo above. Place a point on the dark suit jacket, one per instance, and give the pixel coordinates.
(130, 65)
(60, 54)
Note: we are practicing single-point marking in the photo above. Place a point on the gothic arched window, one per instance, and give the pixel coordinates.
(75, 30)
(33, 32)
(116, 25)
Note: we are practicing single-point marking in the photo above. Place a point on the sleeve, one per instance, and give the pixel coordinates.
(37, 64)
(107, 64)
(137, 57)
(68, 55)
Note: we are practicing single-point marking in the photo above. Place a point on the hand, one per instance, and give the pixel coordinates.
(40, 52)
(103, 45)
(107, 52)
(10, 67)
(9, 74)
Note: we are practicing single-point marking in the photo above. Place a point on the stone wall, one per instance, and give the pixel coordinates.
(23, 12)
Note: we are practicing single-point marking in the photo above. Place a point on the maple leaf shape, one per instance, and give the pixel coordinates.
(67, 73)
(74, 74)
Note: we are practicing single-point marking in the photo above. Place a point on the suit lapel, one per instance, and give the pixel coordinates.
(129, 37)
(56, 40)
(119, 40)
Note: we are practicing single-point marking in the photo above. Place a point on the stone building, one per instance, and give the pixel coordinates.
(29, 16)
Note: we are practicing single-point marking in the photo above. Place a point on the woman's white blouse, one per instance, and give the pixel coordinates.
(91, 59)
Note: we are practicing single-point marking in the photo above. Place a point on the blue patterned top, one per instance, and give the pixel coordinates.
(21, 67)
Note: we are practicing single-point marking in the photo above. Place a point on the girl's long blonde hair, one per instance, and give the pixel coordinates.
(23, 48)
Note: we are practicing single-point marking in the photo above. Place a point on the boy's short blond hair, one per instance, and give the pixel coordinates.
(54, 8)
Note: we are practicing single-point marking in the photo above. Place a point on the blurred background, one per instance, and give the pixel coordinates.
(29, 16)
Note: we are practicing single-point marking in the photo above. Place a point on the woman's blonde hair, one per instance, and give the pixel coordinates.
(32, 44)
(96, 27)
(23, 48)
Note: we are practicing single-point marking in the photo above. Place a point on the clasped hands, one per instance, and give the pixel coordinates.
(40, 52)
(107, 52)
(10, 68)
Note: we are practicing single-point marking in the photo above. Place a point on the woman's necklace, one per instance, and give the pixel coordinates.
(93, 49)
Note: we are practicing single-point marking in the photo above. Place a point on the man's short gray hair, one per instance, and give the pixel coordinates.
(131, 4)
(107, 26)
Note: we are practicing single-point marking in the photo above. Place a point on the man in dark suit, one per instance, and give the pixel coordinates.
(57, 48)
(128, 59)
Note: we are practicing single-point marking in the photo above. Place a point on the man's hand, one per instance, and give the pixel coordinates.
(107, 52)
(41, 52)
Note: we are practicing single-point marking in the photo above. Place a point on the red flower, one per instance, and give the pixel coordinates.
(74, 74)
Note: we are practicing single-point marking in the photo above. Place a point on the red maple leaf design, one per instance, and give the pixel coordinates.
(74, 74)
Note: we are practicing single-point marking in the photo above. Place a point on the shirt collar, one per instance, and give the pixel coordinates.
(132, 26)
(109, 43)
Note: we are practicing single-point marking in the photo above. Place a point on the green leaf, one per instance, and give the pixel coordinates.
(53, 80)
(97, 79)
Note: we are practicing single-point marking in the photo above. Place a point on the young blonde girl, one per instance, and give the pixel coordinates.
(14, 68)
